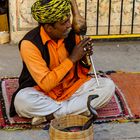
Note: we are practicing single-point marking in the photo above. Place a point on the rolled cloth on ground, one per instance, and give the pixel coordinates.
(50, 11)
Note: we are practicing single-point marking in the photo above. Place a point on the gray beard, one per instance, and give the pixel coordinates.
(68, 31)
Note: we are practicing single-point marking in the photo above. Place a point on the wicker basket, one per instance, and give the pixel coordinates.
(4, 37)
(4, 23)
(67, 121)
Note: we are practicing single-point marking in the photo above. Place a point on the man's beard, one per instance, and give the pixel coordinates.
(67, 32)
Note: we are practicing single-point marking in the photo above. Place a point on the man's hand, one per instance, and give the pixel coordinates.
(83, 48)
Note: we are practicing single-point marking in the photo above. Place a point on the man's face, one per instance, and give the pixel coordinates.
(61, 29)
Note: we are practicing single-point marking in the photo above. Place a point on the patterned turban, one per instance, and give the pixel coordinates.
(50, 11)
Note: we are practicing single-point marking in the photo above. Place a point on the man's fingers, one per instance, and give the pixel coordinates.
(84, 42)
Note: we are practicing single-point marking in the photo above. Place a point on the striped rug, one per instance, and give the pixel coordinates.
(123, 107)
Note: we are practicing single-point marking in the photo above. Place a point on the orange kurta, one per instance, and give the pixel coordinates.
(61, 78)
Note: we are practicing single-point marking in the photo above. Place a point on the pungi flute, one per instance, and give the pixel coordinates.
(90, 60)
(80, 28)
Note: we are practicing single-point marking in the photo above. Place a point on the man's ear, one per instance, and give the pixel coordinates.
(48, 28)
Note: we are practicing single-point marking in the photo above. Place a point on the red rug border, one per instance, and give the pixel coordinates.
(7, 124)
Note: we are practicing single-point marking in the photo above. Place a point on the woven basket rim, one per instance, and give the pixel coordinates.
(70, 133)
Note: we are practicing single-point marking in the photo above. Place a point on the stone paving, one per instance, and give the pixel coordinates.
(123, 56)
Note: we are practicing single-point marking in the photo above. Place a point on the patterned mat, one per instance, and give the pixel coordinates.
(7, 88)
(129, 83)
(117, 109)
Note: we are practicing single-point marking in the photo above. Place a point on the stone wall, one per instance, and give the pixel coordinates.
(21, 20)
